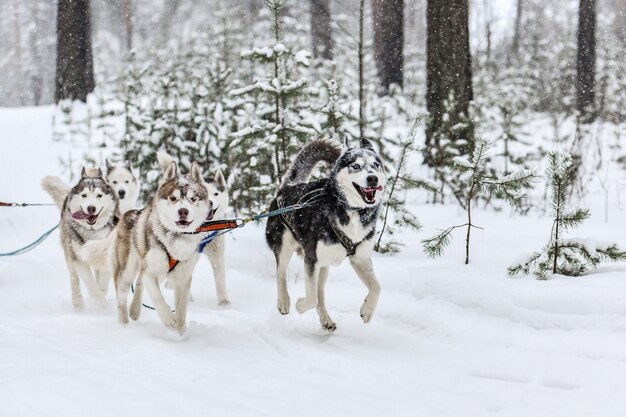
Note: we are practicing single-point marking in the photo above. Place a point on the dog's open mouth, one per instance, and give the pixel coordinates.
(368, 193)
(183, 223)
(211, 215)
(91, 218)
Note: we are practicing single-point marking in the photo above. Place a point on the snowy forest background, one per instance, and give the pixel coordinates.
(242, 85)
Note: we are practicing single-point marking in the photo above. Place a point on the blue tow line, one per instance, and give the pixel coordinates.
(31, 246)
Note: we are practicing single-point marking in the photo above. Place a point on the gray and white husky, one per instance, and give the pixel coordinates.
(158, 243)
(89, 211)
(338, 221)
(125, 184)
(214, 251)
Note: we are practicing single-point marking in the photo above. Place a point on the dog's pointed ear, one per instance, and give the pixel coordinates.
(196, 172)
(171, 172)
(219, 178)
(83, 173)
(366, 144)
(127, 165)
(346, 146)
(99, 173)
(109, 165)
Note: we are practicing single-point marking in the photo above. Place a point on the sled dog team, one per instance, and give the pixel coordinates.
(104, 236)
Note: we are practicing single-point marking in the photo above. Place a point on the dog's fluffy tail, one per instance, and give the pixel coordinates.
(98, 253)
(57, 189)
(316, 151)
(164, 159)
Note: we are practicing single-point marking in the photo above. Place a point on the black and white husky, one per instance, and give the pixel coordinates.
(338, 221)
(89, 212)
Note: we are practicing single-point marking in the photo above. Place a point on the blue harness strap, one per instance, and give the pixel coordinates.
(206, 240)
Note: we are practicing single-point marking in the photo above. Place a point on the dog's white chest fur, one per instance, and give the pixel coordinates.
(331, 255)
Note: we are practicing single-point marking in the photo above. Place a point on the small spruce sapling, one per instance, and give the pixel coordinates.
(571, 257)
(477, 180)
(395, 214)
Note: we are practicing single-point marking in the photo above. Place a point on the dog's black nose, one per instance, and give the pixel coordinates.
(183, 212)
(372, 181)
(91, 210)
(121, 193)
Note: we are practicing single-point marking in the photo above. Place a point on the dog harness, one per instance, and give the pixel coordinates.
(344, 240)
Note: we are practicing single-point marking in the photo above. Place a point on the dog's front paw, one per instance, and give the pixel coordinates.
(224, 303)
(170, 322)
(329, 325)
(78, 304)
(283, 305)
(135, 311)
(181, 328)
(303, 305)
(367, 311)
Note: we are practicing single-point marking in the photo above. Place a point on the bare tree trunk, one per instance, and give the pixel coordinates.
(448, 71)
(321, 31)
(127, 13)
(361, 74)
(74, 66)
(516, 33)
(388, 42)
(586, 59)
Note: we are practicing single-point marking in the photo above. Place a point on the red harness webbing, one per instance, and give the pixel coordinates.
(209, 226)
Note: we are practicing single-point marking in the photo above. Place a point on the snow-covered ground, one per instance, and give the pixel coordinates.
(446, 340)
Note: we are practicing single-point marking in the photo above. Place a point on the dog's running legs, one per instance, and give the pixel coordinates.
(77, 297)
(102, 278)
(181, 293)
(365, 270)
(160, 306)
(86, 276)
(135, 305)
(122, 288)
(216, 257)
(325, 319)
(282, 262)
(310, 286)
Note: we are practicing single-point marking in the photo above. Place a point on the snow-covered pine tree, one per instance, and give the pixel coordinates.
(477, 181)
(571, 257)
(277, 118)
(395, 215)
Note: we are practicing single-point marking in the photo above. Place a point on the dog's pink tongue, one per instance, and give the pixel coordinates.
(80, 215)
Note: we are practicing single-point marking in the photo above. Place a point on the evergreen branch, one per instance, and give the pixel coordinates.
(573, 218)
(435, 245)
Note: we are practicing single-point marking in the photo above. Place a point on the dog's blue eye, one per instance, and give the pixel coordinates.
(356, 167)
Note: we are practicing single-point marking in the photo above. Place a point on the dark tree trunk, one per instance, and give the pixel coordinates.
(361, 73)
(321, 32)
(127, 15)
(586, 58)
(517, 31)
(74, 70)
(388, 42)
(448, 71)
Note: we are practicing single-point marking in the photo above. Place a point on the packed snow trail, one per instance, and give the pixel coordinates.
(447, 339)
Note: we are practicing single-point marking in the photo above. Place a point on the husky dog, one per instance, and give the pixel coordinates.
(125, 184)
(338, 220)
(159, 243)
(89, 211)
(214, 251)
